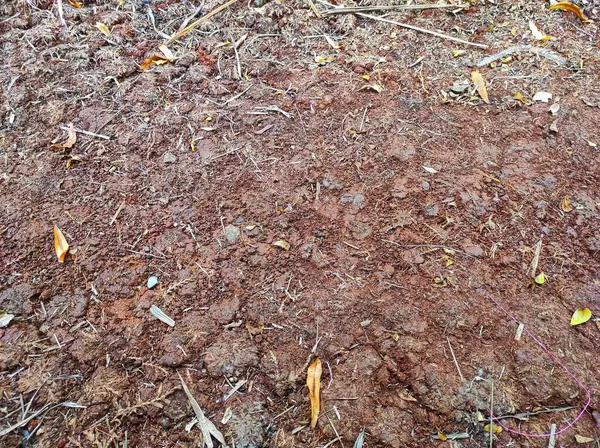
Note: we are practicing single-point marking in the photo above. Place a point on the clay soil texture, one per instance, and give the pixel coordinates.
(292, 187)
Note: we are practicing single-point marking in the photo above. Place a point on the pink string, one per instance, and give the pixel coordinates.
(557, 361)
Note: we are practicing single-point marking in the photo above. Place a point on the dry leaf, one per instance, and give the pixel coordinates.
(544, 97)
(366, 77)
(103, 28)
(442, 436)
(255, 331)
(313, 381)
(519, 97)
(283, 244)
(537, 34)
(568, 6)
(581, 316)
(375, 87)
(554, 108)
(407, 397)
(75, 4)
(582, 439)
(322, 60)
(71, 139)
(478, 80)
(430, 170)
(495, 428)
(154, 59)
(169, 56)
(60, 245)
(457, 53)
(566, 205)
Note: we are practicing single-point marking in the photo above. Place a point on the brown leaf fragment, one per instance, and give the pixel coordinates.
(313, 381)
(479, 82)
(60, 245)
(71, 139)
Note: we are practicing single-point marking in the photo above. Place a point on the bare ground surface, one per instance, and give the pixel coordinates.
(390, 267)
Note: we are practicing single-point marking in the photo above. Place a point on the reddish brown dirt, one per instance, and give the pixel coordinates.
(365, 286)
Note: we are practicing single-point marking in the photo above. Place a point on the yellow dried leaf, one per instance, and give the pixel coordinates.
(71, 139)
(566, 205)
(519, 97)
(103, 28)
(254, 331)
(478, 80)
(540, 279)
(75, 4)
(313, 381)
(283, 244)
(568, 6)
(442, 436)
(60, 245)
(457, 53)
(495, 428)
(582, 439)
(366, 77)
(581, 316)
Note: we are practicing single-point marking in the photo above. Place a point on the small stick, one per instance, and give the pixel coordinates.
(423, 30)
(198, 22)
(412, 27)
(462, 378)
(354, 9)
(59, 5)
(314, 8)
(116, 215)
(91, 134)
(552, 441)
(536, 257)
(492, 415)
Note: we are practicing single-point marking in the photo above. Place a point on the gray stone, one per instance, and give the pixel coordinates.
(475, 251)
(169, 157)
(232, 233)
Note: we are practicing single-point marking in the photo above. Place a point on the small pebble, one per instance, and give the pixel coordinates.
(425, 185)
(169, 157)
(152, 281)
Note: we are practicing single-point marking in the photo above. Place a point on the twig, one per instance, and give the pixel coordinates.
(314, 8)
(526, 415)
(423, 30)
(59, 5)
(412, 27)
(91, 134)
(492, 415)
(335, 431)
(198, 22)
(462, 378)
(430, 246)
(354, 9)
(116, 215)
(552, 441)
(536, 257)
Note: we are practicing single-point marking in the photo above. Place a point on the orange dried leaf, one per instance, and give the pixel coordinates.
(566, 205)
(568, 6)
(71, 139)
(479, 82)
(313, 381)
(60, 245)
(75, 4)
(154, 59)
(443, 437)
